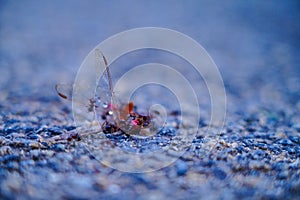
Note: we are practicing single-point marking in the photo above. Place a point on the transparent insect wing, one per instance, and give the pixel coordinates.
(104, 90)
(65, 92)
(107, 105)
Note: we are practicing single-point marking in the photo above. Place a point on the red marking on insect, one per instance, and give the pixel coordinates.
(111, 106)
(129, 120)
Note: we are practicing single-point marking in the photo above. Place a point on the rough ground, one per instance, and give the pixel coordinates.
(256, 157)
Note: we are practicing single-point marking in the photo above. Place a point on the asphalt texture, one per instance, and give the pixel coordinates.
(255, 156)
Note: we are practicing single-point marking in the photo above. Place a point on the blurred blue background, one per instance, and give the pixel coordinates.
(255, 44)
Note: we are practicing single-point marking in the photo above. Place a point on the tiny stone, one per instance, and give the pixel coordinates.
(12, 166)
(28, 129)
(32, 137)
(35, 154)
(234, 145)
(295, 139)
(253, 164)
(9, 130)
(5, 150)
(285, 142)
(11, 157)
(181, 168)
(59, 147)
(296, 127)
(113, 188)
(55, 130)
(258, 154)
(34, 145)
(283, 175)
(220, 174)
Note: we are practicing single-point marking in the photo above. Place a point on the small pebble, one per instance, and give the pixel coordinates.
(4, 150)
(219, 173)
(11, 157)
(258, 154)
(182, 167)
(285, 142)
(283, 175)
(55, 130)
(295, 139)
(59, 147)
(113, 188)
(234, 145)
(34, 145)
